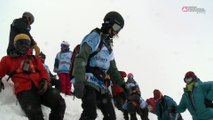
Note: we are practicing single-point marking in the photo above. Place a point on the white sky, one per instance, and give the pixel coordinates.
(158, 44)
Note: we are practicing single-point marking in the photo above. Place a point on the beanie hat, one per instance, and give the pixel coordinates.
(123, 74)
(21, 37)
(65, 43)
(190, 74)
(130, 75)
(42, 55)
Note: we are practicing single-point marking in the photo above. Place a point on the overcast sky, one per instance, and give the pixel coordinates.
(159, 42)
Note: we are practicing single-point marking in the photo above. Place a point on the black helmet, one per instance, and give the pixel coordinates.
(29, 16)
(114, 17)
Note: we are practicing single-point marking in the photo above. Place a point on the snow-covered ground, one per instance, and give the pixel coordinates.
(10, 109)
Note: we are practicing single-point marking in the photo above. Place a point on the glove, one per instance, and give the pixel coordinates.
(208, 103)
(149, 108)
(43, 86)
(79, 89)
(1, 85)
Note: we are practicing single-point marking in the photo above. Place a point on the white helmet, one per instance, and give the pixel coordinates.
(65, 43)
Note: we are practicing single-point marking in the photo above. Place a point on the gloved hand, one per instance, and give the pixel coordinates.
(43, 86)
(208, 103)
(79, 89)
(149, 107)
(1, 85)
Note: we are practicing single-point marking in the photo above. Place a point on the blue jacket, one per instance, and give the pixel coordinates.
(162, 108)
(194, 101)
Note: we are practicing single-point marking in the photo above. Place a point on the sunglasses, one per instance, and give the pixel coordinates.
(116, 27)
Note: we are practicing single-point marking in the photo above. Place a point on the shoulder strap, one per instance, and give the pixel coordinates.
(18, 69)
(97, 50)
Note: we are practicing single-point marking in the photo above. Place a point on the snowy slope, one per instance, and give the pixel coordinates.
(10, 109)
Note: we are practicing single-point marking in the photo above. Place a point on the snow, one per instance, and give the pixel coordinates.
(11, 110)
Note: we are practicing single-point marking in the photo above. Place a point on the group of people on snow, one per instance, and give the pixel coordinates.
(95, 77)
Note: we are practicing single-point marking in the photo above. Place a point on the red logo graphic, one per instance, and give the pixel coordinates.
(185, 9)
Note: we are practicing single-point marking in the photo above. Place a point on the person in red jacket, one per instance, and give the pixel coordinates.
(31, 82)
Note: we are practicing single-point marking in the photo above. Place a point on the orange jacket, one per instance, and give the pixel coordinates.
(23, 81)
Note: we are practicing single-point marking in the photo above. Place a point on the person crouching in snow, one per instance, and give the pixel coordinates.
(164, 107)
(31, 82)
(135, 103)
(120, 96)
(54, 82)
(62, 67)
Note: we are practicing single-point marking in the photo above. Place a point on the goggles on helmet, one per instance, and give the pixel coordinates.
(116, 27)
(188, 80)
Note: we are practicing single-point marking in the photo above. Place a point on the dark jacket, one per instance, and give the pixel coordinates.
(18, 26)
(162, 108)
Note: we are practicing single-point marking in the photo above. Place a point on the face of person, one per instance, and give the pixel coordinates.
(22, 46)
(114, 30)
(64, 48)
(41, 58)
(188, 80)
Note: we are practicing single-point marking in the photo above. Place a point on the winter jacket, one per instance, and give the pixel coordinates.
(194, 101)
(151, 104)
(19, 26)
(133, 86)
(103, 60)
(23, 81)
(162, 108)
(116, 89)
(62, 62)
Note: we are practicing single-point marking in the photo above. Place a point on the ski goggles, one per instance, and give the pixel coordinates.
(116, 27)
(23, 42)
(188, 80)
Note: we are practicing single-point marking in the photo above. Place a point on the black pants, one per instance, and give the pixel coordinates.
(30, 103)
(104, 103)
(119, 100)
(89, 103)
(56, 83)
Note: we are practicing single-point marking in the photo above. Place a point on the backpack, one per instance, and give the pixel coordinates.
(76, 51)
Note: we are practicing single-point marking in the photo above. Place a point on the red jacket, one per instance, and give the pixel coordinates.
(23, 81)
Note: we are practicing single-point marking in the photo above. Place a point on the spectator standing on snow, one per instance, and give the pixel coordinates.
(135, 104)
(21, 25)
(62, 67)
(31, 82)
(164, 105)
